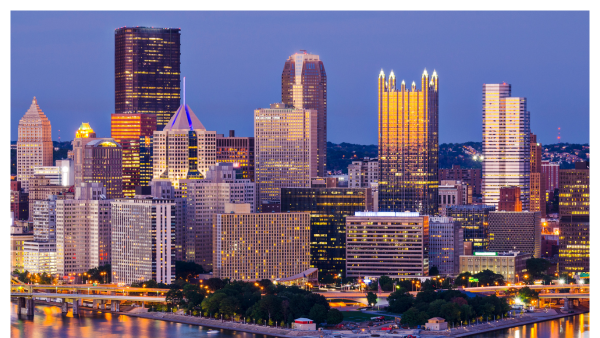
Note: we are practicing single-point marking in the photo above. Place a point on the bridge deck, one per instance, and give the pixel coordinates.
(84, 296)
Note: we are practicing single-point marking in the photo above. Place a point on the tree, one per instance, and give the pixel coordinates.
(462, 279)
(489, 277)
(211, 303)
(427, 296)
(175, 297)
(334, 316)
(527, 295)
(215, 284)
(187, 270)
(318, 313)
(537, 266)
(413, 317)
(400, 301)
(194, 295)
(433, 271)
(451, 312)
(435, 308)
(228, 306)
(371, 299)
(271, 305)
(459, 301)
(387, 284)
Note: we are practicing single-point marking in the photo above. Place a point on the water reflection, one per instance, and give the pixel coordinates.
(569, 327)
(50, 322)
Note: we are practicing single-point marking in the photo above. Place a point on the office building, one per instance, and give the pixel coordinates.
(147, 72)
(162, 188)
(142, 239)
(408, 145)
(474, 221)
(304, 86)
(40, 189)
(393, 244)
(19, 201)
(184, 149)
(63, 173)
(44, 220)
(17, 247)
(83, 136)
(453, 193)
(506, 147)
(446, 245)
(537, 180)
(516, 231)
(510, 199)
(39, 257)
(85, 131)
(239, 151)
(206, 198)
(102, 163)
(255, 246)
(328, 208)
(286, 150)
(83, 230)
(363, 172)
(550, 170)
(129, 130)
(470, 176)
(146, 160)
(34, 144)
(574, 211)
(508, 264)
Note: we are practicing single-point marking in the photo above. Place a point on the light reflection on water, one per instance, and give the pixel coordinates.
(568, 327)
(50, 322)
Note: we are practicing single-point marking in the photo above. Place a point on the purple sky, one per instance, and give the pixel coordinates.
(233, 61)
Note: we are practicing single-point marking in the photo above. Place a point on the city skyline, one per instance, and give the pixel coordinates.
(352, 72)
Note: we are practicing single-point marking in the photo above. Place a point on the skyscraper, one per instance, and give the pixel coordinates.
(304, 86)
(102, 163)
(237, 150)
(408, 145)
(184, 149)
(515, 231)
(537, 180)
(129, 130)
(147, 75)
(286, 151)
(34, 144)
(506, 147)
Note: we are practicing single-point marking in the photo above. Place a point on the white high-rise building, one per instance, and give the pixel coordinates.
(34, 144)
(362, 173)
(205, 199)
(285, 146)
(446, 245)
(63, 173)
(184, 148)
(506, 151)
(143, 237)
(83, 230)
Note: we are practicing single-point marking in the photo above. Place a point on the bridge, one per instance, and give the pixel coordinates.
(75, 294)
(533, 287)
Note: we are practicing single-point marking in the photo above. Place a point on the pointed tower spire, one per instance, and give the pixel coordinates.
(392, 74)
(425, 73)
(382, 74)
(403, 83)
(184, 91)
(434, 74)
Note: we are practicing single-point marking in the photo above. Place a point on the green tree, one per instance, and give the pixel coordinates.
(433, 271)
(462, 279)
(489, 277)
(435, 308)
(174, 297)
(387, 284)
(215, 284)
(194, 295)
(211, 303)
(187, 270)
(271, 305)
(537, 266)
(450, 312)
(413, 317)
(371, 299)
(527, 295)
(334, 316)
(318, 313)
(400, 301)
(228, 306)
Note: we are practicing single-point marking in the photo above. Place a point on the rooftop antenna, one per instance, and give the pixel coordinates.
(184, 91)
(558, 138)
(59, 136)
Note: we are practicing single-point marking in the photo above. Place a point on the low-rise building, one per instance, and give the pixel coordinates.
(393, 244)
(39, 257)
(361, 173)
(508, 264)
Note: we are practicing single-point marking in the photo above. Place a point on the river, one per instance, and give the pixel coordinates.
(577, 326)
(48, 322)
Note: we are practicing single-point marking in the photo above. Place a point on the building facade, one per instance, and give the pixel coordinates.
(446, 245)
(510, 199)
(475, 223)
(19, 201)
(34, 144)
(453, 193)
(239, 151)
(506, 146)
(469, 176)
(361, 174)
(147, 72)
(129, 130)
(206, 198)
(574, 211)
(328, 208)
(408, 145)
(286, 149)
(537, 180)
(184, 149)
(304, 86)
(507, 264)
(143, 235)
(255, 246)
(393, 244)
(550, 170)
(516, 231)
(103, 163)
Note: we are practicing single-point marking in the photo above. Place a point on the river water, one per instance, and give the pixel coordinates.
(48, 322)
(577, 326)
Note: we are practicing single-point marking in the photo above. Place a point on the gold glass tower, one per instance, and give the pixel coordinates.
(408, 145)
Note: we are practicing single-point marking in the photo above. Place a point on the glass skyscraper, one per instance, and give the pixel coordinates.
(147, 75)
(304, 86)
(408, 145)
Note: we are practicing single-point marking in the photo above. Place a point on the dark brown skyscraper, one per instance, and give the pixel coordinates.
(304, 86)
(147, 76)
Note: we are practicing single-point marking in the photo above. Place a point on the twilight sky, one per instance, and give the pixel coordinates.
(233, 61)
